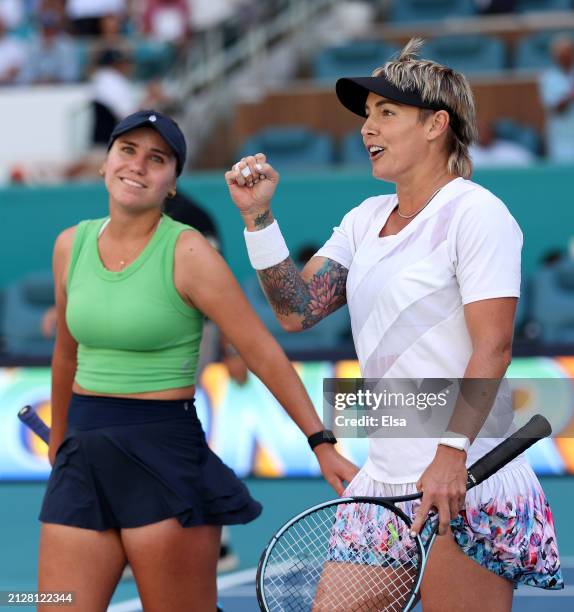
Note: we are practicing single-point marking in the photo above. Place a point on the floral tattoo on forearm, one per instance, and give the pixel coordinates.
(313, 300)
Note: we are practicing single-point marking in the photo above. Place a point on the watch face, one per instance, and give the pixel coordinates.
(329, 436)
(321, 437)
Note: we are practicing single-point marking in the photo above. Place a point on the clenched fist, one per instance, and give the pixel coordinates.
(252, 183)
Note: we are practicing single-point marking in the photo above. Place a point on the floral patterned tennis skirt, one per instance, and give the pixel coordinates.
(506, 525)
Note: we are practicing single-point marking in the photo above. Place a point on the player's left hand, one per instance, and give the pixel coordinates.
(443, 485)
(335, 468)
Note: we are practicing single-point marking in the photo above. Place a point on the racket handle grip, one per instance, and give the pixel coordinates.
(35, 423)
(537, 428)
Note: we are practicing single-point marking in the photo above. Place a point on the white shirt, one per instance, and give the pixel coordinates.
(406, 295)
(81, 9)
(12, 55)
(11, 13)
(114, 90)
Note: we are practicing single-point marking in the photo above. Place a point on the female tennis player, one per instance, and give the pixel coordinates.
(133, 479)
(431, 276)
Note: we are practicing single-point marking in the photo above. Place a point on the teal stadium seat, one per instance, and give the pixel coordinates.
(152, 59)
(533, 52)
(525, 6)
(525, 135)
(353, 152)
(553, 301)
(25, 302)
(425, 10)
(357, 58)
(290, 147)
(469, 54)
(83, 57)
(331, 333)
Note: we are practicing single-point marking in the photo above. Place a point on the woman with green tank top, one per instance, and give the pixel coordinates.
(133, 479)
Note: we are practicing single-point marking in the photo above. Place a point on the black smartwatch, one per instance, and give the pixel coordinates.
(320, 437)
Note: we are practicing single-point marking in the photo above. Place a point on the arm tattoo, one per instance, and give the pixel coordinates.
(262, 221)
(312, 300)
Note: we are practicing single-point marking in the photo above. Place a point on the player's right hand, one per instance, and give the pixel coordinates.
(252, 183)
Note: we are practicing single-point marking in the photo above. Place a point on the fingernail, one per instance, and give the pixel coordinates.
(258, 167)
(246, 171)
(413, 534)
(261, 176)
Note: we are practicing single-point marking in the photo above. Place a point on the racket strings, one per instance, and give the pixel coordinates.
(354, 557)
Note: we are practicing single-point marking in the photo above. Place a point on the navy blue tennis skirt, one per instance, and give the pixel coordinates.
(129, 462)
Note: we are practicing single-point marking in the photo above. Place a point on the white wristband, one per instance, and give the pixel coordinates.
(266, 247)
(454, 440)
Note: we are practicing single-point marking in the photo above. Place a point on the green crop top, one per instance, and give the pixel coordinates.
(134, 331)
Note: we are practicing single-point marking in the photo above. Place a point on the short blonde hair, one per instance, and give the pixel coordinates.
(438, 85)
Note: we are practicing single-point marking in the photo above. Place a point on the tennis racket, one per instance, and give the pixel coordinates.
(313, 564)
(34, 422)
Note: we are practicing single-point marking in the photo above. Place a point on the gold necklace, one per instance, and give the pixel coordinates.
(122, 262)
(420, 209)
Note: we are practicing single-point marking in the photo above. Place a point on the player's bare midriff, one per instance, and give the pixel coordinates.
(180, 393)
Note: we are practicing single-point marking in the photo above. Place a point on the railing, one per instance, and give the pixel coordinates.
(203, 83)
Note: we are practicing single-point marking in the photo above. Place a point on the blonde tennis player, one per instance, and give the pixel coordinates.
(431, 276)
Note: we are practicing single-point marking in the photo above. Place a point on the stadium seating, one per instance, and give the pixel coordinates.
(528, 137)
(423, 10)
(469, 54)
(25, 303)
(357, 58)
(533, 52)
(553, 301)
(353, 150)
(524, 6)
(291, 147)
(152, 59)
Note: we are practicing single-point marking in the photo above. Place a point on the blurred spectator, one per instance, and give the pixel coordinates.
(12, 13)
(12, 55)
(493, 7)
(51, 56)
(112, 31)
(167, 20)
(86, 15)
(48, 323)
(493, 151)
(184, 209)
(552, 256)
(112, 98)
(113, 94)
(52, 6)
(557, 92)
(233, 362)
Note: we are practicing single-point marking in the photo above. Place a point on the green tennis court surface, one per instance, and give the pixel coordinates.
(20, 503)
